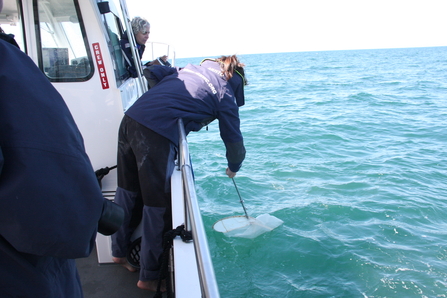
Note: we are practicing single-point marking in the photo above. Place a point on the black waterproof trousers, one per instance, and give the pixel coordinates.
(145, 165)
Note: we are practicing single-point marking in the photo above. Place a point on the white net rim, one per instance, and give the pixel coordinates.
(231, 223)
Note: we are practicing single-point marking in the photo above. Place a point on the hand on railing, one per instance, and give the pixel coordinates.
(230, 173)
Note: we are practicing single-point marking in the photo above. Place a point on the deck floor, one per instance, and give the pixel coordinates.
(108, 280)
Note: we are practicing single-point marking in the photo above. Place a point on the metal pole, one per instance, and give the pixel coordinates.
(240, 198)
(205, 266)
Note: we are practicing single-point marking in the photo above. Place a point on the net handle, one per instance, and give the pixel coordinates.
(240, 198)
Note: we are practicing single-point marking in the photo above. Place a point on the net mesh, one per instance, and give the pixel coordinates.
(241, 226)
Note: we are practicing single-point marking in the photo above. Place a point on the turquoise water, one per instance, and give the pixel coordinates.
(348, 148)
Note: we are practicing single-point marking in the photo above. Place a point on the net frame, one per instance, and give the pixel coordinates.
(232, 223)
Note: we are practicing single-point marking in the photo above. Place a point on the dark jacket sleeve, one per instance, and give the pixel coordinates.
(130, 65)
(229, 126)
(50, 200)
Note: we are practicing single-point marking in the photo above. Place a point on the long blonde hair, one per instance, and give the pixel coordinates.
(231, 64)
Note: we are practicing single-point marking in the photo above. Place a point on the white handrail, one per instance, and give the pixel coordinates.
(194, 221)
(169, 50)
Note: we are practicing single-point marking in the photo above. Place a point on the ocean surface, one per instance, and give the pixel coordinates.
(349, 149)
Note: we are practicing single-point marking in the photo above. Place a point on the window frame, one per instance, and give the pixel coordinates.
(40, 49)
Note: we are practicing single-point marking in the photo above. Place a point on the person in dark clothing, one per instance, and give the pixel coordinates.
(50, 200)
(147, 142)
(141, 30)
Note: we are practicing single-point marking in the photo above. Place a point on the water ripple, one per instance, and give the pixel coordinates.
(348, 149)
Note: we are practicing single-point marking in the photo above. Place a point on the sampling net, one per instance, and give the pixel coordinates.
(241, 226)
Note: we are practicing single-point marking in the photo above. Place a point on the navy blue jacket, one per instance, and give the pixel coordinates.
(198, 95)
(50, 200)
(125, 46)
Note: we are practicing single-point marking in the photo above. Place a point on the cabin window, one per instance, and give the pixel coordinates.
(11, 22)
(63, 51)
(114, 26)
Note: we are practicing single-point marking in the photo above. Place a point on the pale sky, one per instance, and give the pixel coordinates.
(198, 28)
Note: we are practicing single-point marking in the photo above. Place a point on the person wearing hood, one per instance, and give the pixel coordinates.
(149, 137)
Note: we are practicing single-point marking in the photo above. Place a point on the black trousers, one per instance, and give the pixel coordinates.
(145, 164)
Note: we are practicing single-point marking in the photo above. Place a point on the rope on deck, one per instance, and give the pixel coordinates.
(168, 240)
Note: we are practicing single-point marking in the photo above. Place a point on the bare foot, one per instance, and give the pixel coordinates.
(123, 262)
(151, 285)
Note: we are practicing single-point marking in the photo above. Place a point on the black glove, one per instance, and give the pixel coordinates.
(112, 218)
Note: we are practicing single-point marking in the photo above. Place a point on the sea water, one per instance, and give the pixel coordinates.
(349, 149)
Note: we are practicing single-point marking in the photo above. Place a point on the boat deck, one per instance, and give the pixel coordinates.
(108, 280)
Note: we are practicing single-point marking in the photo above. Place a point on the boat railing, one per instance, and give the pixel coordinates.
(155, 49)
(193, 221)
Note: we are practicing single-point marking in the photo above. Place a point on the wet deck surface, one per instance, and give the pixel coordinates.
(108, 280)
